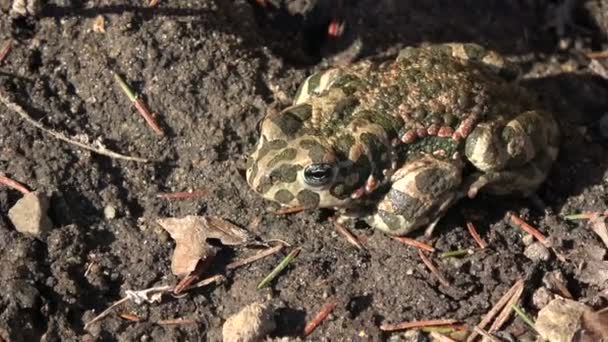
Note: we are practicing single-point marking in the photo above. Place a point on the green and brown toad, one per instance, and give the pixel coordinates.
(398, 143)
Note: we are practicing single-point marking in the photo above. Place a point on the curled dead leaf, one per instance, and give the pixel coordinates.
(191, 234)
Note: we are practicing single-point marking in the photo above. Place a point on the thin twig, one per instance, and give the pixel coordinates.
(441, 337)
(6, 48)
(497, 307)
(14, 184)
(262, 254)
(350, 237)
(279, 268)
(414, 243)
(102, 150)
(106, 312)
(485, 334)
(475, 235)
(524, 317)
(320, 317)
(598, 55)
(140, 105)
(183, 194)
(433, 269)
(561, 287)
(417, 324)
(506, 311)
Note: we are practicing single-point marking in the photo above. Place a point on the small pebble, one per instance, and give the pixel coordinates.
(537, 252)
(109, 212)
(29, 216)
(560, 320)
(251, 324)
(541, 297)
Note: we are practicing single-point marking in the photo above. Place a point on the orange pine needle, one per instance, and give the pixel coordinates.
(417, 324)
(320, 317)
(433, 269)
(528, 228)
(475, 235)
(14, 185)
(263, 254)
(414, 243)
(350, 237)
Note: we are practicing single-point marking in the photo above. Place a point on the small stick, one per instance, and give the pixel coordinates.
(13, 184)
(475, 235)
(106, 312)
(561, 287)
(524, 317)
(6, 48)
(139, 104)
(456, 253)
(414, 243)
(350, 237)
(279, 268)
(598, 55)
(289, 210)
(102, 150)
(207, 281)
(417, 324)
(441, 337)
(129, 317)
(519, 223)
(497, 307)
(193, 277)
(262, 254)
(176, 321)
(433, 269)
(506, 311)
(183, 194)
(320, 317)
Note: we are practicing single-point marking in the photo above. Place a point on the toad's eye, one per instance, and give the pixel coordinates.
(318, 174)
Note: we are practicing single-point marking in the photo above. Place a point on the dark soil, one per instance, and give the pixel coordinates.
(210, 70)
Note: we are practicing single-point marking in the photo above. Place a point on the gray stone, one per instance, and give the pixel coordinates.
(560, 320)
(537, 252)
(29, 216)
(251, 324)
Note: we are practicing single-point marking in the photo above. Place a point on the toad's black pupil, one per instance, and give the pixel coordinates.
(318, 174)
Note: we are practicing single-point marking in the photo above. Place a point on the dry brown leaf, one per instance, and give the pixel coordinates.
(596, 324)
(598, 225)
(191, 234)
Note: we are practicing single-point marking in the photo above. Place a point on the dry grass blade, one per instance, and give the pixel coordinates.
(320, 317)
(139, 104)
(183, 194)
(506, 311)
(475, 235)
(497, 307)
(262, 254)
(129, 317)
(417, 324)
(102, 150)
(414, 243)
(105, 312)
(433, 269)
(523, 316)
(441, 337)
(14, 184)
(350, 237)
(279, 268)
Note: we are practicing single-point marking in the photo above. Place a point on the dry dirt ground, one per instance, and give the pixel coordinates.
(210, 70)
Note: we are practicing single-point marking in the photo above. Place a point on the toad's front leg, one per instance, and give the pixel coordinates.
(420, 194)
